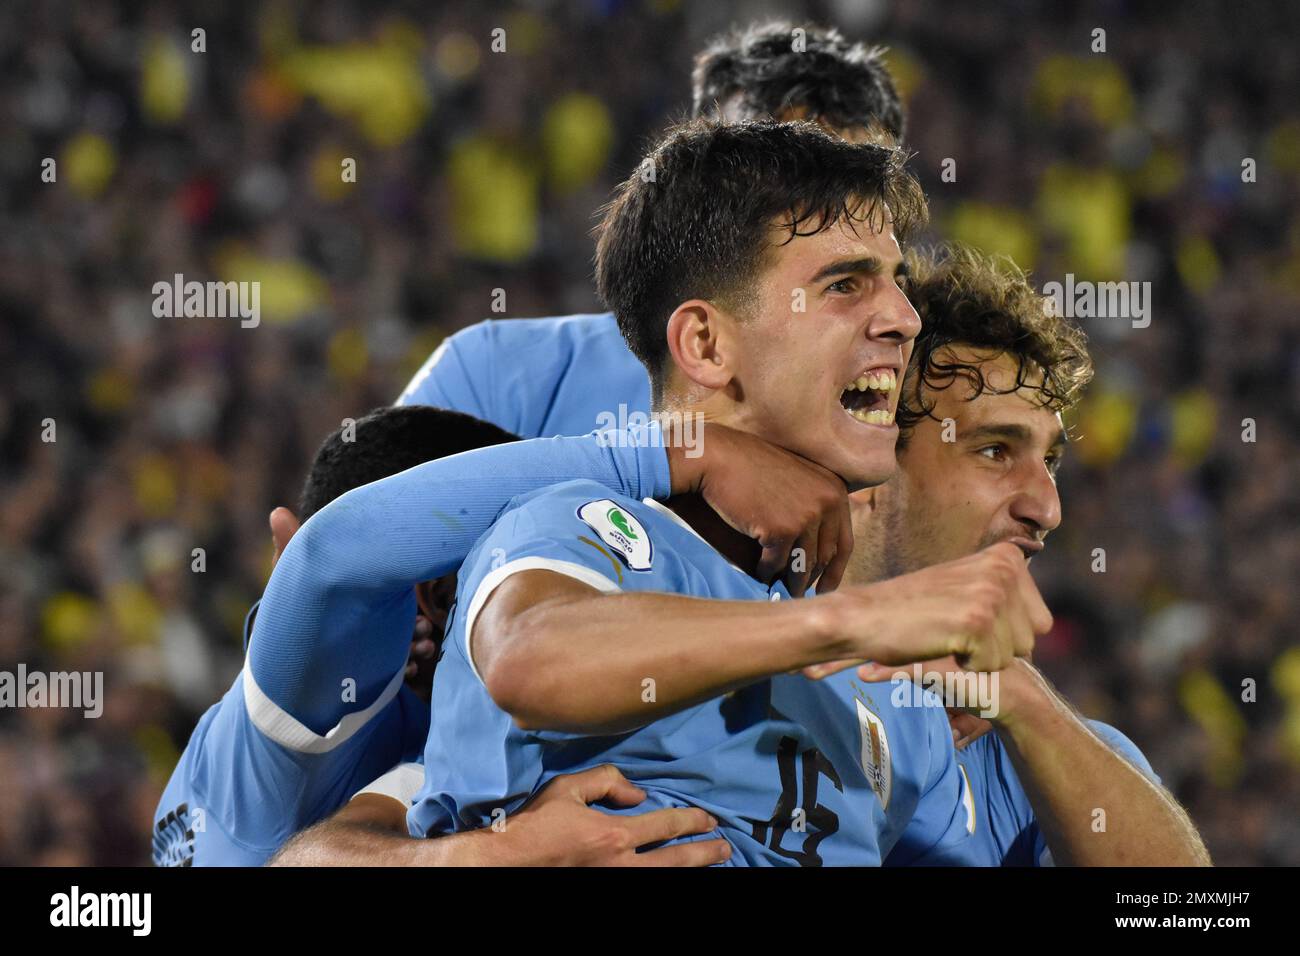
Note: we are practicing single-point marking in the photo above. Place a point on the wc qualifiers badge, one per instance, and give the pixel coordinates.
(621, 531)
(875, 752)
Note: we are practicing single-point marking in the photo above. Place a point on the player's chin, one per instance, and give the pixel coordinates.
(864, 457)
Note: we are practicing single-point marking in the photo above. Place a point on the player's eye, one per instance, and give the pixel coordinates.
(845, 285)
(1053, 463)
(993, 452)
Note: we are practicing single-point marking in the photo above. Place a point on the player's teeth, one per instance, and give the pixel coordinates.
(862, 384)
(877, 416)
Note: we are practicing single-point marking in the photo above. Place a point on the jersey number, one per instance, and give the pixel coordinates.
(825, 821)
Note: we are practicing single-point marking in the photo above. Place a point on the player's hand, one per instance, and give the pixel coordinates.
(284, 525)
(795, 509)
(983, 610)
(558, 828)
(422, 659)
(966, 728)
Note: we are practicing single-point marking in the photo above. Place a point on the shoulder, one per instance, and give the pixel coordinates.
(568, 331)
(1122, 745)
(587, 507)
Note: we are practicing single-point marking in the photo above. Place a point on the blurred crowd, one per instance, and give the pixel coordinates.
(135, 540)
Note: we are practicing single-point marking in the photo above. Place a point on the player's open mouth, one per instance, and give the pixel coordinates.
(867, 398)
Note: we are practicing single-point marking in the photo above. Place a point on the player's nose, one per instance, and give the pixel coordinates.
(1038, 504)
(895, 318)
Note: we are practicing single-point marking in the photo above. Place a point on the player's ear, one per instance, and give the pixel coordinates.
(698, 341)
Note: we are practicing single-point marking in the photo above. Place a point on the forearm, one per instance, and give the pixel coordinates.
(1093, 806)
(614, 663)
(350, 571)
(359, 835)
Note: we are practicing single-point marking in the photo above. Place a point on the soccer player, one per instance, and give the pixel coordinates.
(754, 276)
(983, 331)
(319, 708)
(754, 73)
(980, 442)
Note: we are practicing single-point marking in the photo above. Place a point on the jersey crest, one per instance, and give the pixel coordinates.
(875, 752)
(619, 529)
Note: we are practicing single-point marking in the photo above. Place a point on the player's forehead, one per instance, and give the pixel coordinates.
(870, 242)
(1000, 405)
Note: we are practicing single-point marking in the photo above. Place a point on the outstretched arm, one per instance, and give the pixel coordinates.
(557, 654)
(358, 559)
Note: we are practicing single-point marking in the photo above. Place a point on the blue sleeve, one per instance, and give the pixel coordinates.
(941, 830)
(1124, 747)
(459, 375)
(237, 795)
(332, 634)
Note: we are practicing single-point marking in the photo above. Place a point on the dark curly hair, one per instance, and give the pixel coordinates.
(758, 70)
(966, 297)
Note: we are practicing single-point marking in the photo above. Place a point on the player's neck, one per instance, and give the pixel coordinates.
(741, 551)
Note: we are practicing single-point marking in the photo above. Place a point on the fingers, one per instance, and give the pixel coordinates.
(839, 561)
(600, 783)
(702, 853)
(1040, 618)
(660, 825)
(827, 668)
(876, 672)
(284, 525)
(967, 728)
(776, 555)
(797, 580)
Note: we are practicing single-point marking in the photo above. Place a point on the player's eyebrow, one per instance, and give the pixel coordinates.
(869, 265)
(1013, 432)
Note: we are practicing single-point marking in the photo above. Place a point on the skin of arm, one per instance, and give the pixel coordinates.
(1069, 773)
(556, 828)
(543, 645)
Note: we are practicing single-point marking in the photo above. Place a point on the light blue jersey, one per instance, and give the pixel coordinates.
(319, 709)
(1006, 830)
(536, 377)
(798, 772)
(568, 374)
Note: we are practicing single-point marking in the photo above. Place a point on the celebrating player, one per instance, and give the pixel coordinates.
(319, 708)
(754, 276)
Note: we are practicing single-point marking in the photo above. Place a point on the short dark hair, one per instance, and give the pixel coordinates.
(967, 297)
(387, 441)
(700, 226)
(835, 82)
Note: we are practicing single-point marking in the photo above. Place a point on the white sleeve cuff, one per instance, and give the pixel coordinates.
(287, 731)
(579, 572)
(402, 783)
